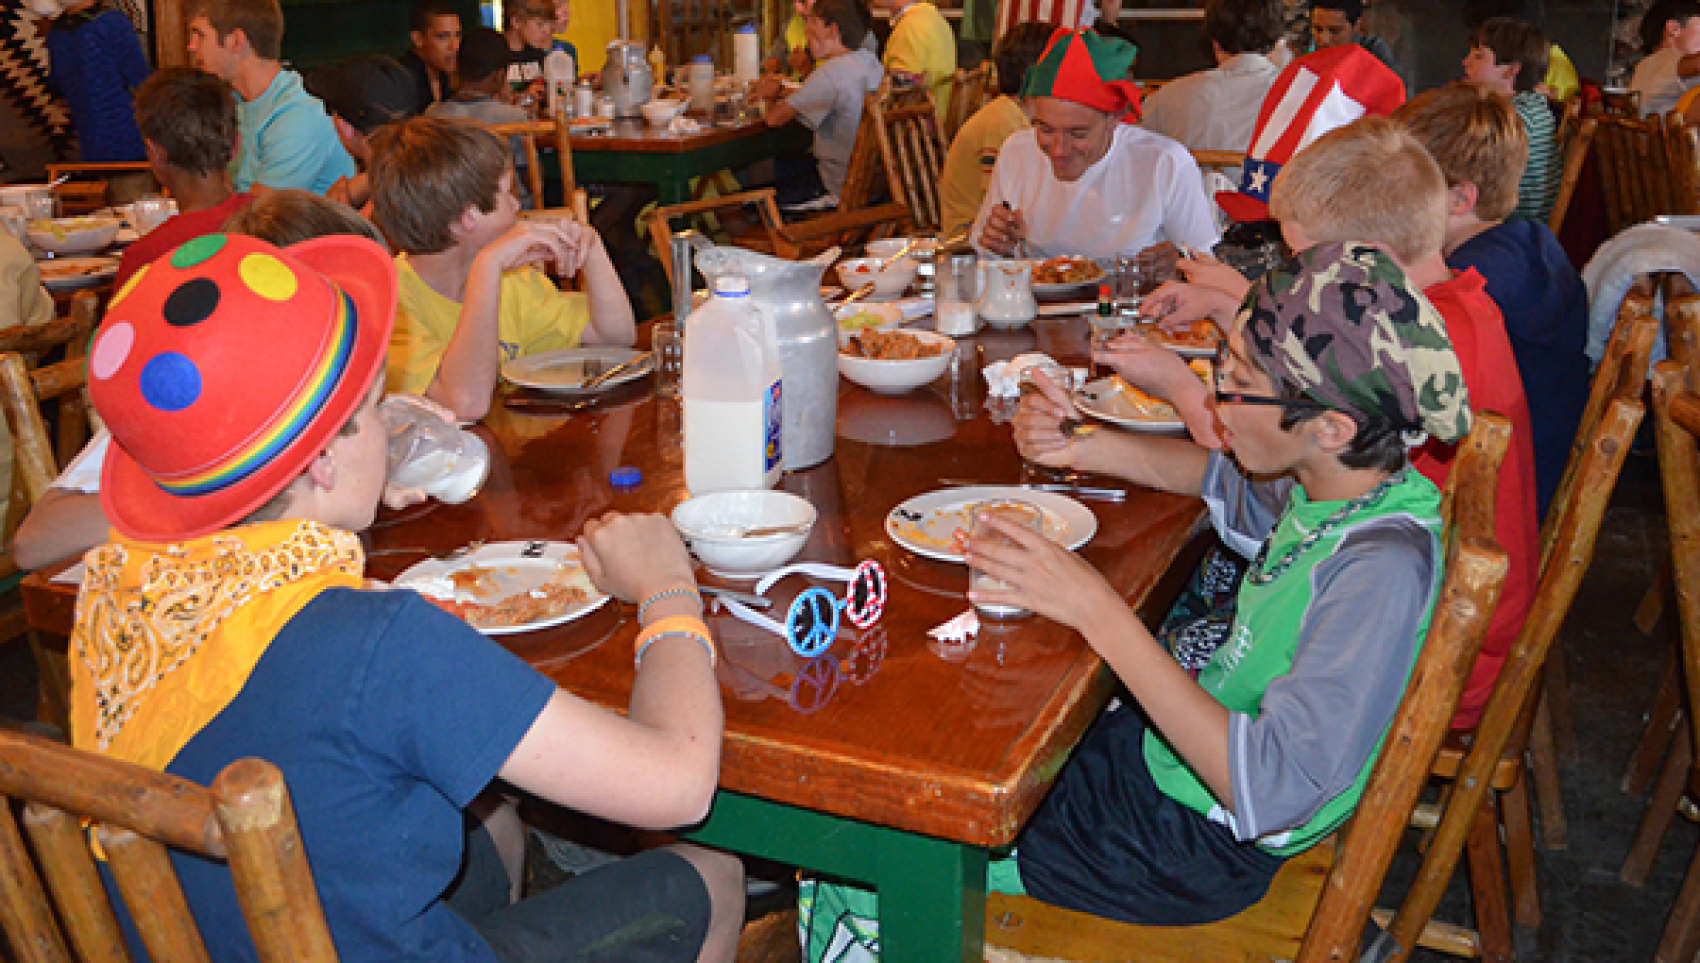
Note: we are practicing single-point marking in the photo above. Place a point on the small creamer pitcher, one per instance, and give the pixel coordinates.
(1006, 293)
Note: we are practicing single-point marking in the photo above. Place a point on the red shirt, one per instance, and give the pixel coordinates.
(174, 231)
(1477, 330)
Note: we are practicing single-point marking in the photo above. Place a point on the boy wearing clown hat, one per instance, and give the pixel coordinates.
(227, 619)
(1085, 179)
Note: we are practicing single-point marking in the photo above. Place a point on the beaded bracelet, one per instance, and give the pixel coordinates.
(673, 592)
(678, 625)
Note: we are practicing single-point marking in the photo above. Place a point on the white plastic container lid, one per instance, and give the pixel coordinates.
(731, 286)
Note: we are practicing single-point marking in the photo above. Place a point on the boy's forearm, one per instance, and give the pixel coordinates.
(1168, 464)
(63, 525)
(466, 375)
(611, 318)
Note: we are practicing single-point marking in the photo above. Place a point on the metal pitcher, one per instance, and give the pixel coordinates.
(789, 292)
(626, 78)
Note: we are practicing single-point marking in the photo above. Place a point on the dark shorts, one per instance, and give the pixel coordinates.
(649, 907)
(1107, 841)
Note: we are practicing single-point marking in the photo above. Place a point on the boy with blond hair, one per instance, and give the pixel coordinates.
(1373, 181)
(469, 290)
(1474, 137)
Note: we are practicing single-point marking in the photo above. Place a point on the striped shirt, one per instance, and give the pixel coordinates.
(1539, 186)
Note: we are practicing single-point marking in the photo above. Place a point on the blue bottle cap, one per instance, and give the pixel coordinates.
(701, 59)
(746, 28)
(625, 477)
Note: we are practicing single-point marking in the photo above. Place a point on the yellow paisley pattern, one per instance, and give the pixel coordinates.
(166, 635)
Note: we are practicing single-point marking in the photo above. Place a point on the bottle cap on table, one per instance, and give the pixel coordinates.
(625, 477)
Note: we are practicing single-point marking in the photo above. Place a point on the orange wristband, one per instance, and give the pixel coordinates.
(678, 625)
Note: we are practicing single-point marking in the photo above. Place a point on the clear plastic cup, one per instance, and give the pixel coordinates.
(1024, 514)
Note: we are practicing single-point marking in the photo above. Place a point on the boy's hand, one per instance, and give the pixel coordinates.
(1041, 576)
(1003, 229)
(631, 557)
(561, 243)
(1038, 425)
(1177, 304)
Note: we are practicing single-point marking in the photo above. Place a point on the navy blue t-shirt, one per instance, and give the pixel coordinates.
(1546, 316)
(386, 716)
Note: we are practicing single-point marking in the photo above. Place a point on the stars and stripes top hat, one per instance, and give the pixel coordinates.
(225, 367)
(1317, 93)
(1067, 14)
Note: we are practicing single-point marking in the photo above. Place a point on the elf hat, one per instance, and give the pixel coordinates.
(1083, 67)
(225, 367)
(1317, 93)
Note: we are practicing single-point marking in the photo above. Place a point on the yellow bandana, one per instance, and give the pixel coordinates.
(166, 635)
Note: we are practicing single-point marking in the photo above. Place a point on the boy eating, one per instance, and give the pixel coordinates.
(1180, 805)
(240, 383)
(469, 294)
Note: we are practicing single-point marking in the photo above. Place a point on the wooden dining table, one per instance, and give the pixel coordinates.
(892, 760)
(634, 151)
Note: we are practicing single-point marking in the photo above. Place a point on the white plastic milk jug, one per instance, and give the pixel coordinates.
(733, 399)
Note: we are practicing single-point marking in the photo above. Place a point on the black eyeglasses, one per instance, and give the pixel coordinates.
(1240, 398)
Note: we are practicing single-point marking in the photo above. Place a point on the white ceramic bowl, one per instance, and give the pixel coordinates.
(896, 377)
(73, 235)
(705, 523)
(888, 283)
(660, 112)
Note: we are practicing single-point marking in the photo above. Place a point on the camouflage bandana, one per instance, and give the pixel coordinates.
(1343, 323)
(1083, 67)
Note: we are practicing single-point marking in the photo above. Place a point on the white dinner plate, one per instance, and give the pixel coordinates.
(1066, 287)
(563, 372)
(513, 568)
(1186, 349)
(70, 273)
(1101, 400)
(927, 524)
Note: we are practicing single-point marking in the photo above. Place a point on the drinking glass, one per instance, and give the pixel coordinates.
(150, 212)
(1127, 287)
(41, 207)
(1020, 513)
(668, 346)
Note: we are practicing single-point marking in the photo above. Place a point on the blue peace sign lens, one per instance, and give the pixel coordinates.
(811, 624)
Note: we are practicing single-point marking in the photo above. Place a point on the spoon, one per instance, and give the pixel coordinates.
(601, 379)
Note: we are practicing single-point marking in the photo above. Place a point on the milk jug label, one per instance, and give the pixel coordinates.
(773, 411)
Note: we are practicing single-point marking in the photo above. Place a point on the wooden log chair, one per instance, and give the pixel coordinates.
(525, 136)
(1681, 144)
(1319, 902)
(1676, 405)
(1634, 170)
(1490, 758)
(35, 463)
(969, 91)
(912, 148)
(245, 818)
(659, 222)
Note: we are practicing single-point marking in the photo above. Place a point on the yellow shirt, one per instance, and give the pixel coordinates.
(535, 316)
(973, 153)
(922, 43)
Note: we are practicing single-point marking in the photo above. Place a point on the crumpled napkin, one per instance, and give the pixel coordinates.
(1003, 378)
(684, 125)
(963, 628)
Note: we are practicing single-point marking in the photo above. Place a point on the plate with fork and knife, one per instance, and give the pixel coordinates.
(578, 371)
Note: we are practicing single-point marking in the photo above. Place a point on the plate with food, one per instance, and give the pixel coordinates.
(590, 125)
(507, 587)
(1119, 403)
(1198, 341)
(935, 524)
(1065, 273)
(566, 372)
(68, 273)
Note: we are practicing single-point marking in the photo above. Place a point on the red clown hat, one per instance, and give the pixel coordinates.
(1317, 93)
(225, 367)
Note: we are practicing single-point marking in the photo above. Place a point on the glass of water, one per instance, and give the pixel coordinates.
(1023, 514)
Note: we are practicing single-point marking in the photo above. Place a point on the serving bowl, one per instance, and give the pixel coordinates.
(660, 112)
(890, 279)
(73, 235)
(712, 527)
(896, 377)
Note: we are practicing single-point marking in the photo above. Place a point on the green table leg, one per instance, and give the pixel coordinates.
(932, 892)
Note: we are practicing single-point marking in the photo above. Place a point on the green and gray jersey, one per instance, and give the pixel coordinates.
(1317, 659)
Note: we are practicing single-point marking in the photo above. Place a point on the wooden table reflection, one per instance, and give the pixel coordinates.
(891, 759)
